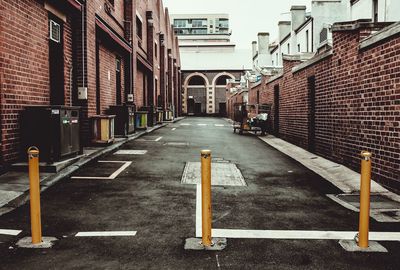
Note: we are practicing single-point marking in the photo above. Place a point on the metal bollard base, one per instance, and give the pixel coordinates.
(26, 242)
(351, 246)
(195, 244)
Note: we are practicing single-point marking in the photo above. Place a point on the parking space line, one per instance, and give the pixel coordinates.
(286, 234)
(130, 152)
(185, 124)
(10, 232)
(112, 176)
(202, 124)
(159, 138)
(120, 170)
(302, 235)
(219, 125)
(106, 233)
(198, 211)
(173, 129)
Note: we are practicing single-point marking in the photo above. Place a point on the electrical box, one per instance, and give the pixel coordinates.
(130, 97)
(53, 129)
(82, 93)
(124, 119)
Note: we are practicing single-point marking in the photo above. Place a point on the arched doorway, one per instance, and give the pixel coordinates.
(220, 82)
(196, 95)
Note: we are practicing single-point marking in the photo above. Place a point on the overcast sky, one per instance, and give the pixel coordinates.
(247, 17)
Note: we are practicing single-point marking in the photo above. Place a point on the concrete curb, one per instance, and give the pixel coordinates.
(68, 171)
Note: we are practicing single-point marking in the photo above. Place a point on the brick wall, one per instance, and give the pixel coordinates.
(357, 107)
(24, 65)
(24, 58)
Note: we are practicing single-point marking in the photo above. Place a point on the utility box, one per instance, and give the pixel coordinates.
(102, 129)
(151, 115)
(159, 115)
(169, 116)
(55, 130)
(141, 120)
(124, 119)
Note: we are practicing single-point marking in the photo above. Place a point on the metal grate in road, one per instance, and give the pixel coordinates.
(222, 174)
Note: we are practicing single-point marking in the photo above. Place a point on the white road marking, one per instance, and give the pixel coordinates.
(112, 176)
(286, 234)
(309, 235)
(198, 211)
(10, 232)
(120, 170)
(219, 125)
(159, 138)
(202, 124)
(109, 233)
(185, 124)
(130, 152)
(173, 129)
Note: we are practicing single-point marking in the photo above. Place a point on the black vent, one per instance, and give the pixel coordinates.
(55, 31)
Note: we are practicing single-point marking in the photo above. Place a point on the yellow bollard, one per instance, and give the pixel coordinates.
(34, 193)
(206, 197)
(365, 190)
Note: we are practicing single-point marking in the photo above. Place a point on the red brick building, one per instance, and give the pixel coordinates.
(52, 50)
(344, 100)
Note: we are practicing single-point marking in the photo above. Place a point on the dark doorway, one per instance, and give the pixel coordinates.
(311, 114)
(222, 109)
(118, 80)
(56, 60)
(276, 110)
(190, 106)
(197, 108)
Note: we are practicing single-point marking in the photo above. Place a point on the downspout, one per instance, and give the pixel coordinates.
(83, 46)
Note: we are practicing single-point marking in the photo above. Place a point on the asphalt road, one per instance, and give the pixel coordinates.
(148, 197)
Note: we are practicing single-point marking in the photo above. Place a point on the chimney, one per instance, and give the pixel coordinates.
(284, 29)
(298, 16)
(254, 48)
(264, 56)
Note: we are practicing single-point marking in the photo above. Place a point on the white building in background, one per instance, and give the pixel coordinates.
(376, 10)
(307, 32)
(208, 60)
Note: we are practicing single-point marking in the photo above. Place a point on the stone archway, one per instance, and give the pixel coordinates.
(219, 92)
(196, 86)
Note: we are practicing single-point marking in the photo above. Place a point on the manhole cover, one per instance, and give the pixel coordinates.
(222, 174)
(377, 201)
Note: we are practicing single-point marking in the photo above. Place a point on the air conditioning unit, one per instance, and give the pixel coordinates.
(55, 31)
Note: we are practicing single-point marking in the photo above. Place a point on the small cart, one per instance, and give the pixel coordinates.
(241, 119)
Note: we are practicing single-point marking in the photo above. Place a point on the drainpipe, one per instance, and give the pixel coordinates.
(83, 47)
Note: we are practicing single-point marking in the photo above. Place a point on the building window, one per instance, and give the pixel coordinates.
(307, 41)
(223, 23)
(199, 23)
(156, 50)
(288, 48)
(139, 28)
(298, 47)
(180, 23)
(375, 10)
(199, 31)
